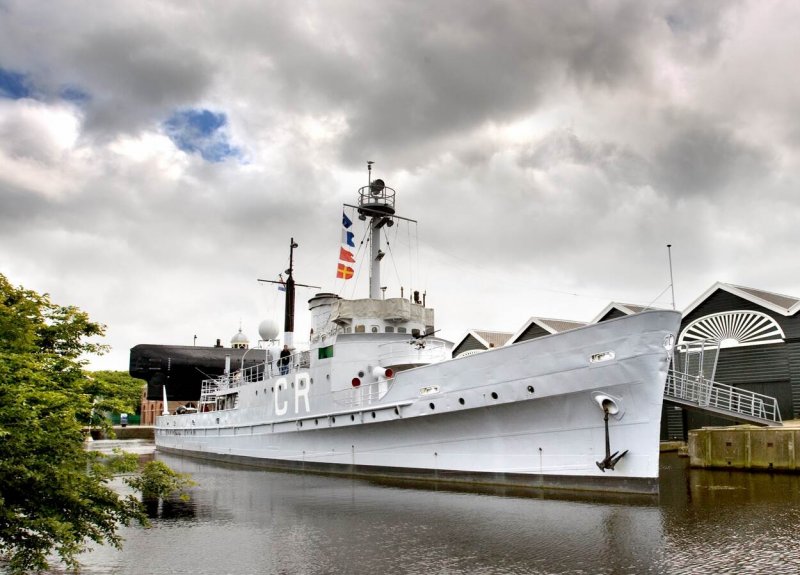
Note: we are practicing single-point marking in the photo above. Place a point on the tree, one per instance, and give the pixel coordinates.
(116, 392)
(54, 495)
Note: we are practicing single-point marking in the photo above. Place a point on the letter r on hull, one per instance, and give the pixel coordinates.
(301, 389)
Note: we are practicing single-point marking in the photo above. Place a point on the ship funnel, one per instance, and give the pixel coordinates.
(383, 372)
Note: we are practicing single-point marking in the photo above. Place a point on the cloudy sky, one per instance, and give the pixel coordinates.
(156, 157)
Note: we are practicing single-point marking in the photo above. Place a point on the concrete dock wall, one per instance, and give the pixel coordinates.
(745, 447)
(128, 432)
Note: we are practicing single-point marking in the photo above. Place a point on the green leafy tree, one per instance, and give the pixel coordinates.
(116, 392)
(55, 496)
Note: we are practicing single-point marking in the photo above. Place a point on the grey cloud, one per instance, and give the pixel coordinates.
(617, 163)
(707, 159)
(136, 76)
(698, 27)
(132, 68)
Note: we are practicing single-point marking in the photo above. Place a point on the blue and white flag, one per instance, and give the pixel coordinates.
(347, 238)
(346, 222)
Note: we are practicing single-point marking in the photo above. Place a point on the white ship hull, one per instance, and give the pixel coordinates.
(527, 414)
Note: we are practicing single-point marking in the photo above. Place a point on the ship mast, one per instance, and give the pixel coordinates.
(289, 285)
(376, 202)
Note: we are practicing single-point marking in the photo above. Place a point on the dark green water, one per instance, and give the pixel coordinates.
(243, 521)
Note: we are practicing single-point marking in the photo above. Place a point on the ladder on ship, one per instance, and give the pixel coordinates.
(688, 386)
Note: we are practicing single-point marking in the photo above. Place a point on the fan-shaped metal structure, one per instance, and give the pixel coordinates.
(733, 328)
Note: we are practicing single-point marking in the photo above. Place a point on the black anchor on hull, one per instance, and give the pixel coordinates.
(611, 459)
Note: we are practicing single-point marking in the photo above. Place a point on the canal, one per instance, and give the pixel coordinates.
(243, 521)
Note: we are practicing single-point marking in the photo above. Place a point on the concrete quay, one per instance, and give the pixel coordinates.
(127, 432)
(747, 447)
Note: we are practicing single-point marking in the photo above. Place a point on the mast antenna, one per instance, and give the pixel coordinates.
(671, 281)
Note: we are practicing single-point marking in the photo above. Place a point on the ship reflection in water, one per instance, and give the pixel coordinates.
(243, 520)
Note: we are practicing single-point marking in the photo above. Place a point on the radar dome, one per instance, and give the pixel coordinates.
(268, 330)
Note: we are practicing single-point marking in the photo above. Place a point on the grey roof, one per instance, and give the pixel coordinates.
(626, 308)
(498, 338)
(783, 301)
(559, 325)
(779, 303)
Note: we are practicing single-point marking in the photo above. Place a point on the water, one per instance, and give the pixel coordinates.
(243, 521)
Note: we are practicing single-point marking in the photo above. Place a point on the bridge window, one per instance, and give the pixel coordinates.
(360, 329)
(325, 352)
(389, 329)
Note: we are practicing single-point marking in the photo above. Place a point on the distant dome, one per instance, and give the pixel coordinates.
(240, 341)
(268, 330)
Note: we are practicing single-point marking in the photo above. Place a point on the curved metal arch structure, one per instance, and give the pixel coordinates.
(733, 329)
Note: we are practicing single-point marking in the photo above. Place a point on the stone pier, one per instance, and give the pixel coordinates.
(747, 447)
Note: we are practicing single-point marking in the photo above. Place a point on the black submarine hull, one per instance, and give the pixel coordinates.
(182, 368)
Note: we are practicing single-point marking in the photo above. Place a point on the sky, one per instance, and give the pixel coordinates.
(157, 157)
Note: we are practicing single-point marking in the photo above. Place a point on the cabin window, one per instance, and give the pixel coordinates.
(389, 329)
(325, 352)
(401, 330)
(374, 329)
(360, 329)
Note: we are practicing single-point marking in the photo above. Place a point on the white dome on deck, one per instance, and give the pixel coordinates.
(240, 341)
(268, 330)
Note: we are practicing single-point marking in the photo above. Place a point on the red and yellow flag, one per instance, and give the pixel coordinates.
(344, 272)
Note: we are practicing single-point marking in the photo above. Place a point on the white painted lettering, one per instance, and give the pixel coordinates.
(279, 386)
(301, 389)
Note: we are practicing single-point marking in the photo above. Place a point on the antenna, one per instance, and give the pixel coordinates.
(671, 281)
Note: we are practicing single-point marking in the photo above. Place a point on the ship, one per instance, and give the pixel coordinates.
(376, 393)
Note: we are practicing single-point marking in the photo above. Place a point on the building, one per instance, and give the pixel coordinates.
(754, 339)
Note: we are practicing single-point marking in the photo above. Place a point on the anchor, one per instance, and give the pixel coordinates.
(611, 459)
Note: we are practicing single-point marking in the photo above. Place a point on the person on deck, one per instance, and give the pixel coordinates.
(283, 362)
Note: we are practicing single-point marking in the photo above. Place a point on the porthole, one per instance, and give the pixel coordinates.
(397, 411)
(432, 406)
(352, 417)
(494, 395)
(373, 415)
(300, 423)
(530, 389)
(316, 422)
(333, 419)
(256, 392)
(461, 400)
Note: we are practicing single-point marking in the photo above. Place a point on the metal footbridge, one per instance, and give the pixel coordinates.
(688, 386)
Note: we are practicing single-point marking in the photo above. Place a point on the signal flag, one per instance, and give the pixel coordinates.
(344, 272)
